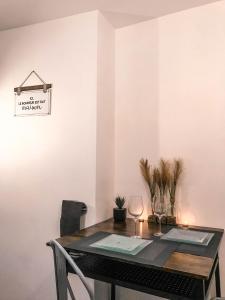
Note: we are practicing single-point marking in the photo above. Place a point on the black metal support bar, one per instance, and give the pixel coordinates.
(217, 280)
(113, 292)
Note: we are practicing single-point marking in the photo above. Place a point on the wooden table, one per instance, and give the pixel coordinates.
(186, 273)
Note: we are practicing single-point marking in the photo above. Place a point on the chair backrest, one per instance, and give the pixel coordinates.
(71, 216)
(56, 246)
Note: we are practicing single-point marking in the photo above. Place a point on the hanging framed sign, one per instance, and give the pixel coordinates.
(33, 100)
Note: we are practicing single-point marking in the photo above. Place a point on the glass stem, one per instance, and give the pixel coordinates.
(135, 221)
(160, 227)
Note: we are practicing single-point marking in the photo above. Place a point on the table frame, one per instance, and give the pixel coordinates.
(203, 280)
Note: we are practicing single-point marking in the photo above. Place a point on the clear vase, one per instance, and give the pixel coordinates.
(171, 216)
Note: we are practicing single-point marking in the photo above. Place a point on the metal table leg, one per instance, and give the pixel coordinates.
(217, 280)
(113, 292)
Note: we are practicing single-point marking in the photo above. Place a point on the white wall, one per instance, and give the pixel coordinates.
(136, 114)
(180, 113)
(192, 110)
(47, 159)
(105, 121)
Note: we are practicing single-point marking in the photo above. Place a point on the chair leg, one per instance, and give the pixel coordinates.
(60, 276)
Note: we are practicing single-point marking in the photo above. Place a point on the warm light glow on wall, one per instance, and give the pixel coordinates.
(188, 218)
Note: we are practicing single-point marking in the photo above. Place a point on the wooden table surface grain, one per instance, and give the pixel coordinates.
(198, 266)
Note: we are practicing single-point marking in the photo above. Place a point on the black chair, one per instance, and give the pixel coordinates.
(70, 216)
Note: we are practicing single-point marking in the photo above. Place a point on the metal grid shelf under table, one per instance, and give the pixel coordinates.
(144, 279)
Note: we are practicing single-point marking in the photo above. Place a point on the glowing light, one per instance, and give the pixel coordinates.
(188, 219)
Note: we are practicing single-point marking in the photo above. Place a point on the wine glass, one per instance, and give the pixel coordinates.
(135, 209)
(160, 211)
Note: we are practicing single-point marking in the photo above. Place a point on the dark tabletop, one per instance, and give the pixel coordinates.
(187, 259)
